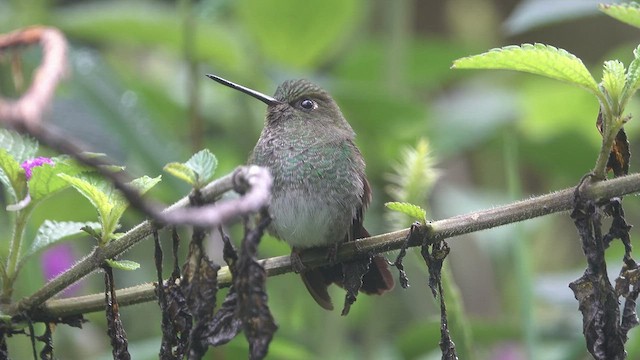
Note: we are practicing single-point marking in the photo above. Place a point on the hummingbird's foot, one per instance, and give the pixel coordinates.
(296, 262)
(332, 253)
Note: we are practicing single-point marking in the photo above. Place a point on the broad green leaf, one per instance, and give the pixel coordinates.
(633, 73)
(412, 210)
(614, 79)
(92, 188)
(123, 264)
(628, 13)
(204, 164)
(300, 35)
(20, 147)
(141, 185)
(45, 180)
(109, 203)
(120, 203)
(197, 171)
(182, 172)
(12, 175)
(145, 183)
(537, 59)
(51, 232)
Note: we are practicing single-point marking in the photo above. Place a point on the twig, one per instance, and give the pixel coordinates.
(255, 196)
(438, 230)
(29, 108)
(25, 116)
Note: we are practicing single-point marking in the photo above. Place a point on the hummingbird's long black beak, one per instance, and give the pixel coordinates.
(258, 95)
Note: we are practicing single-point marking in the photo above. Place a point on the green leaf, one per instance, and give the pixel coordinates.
(197, 171)
(300, 35)
(633, 74)
(12, 175)
(120, 203)
(20, 147)
(614, 79)
(51, 232)
(93, 232)
(628, 13)
(145, 183)
(411, 210)
(109, 203)
(182, 172)
(45, 180)
(537, 59)
(93, 188)
(204, 164)
(123, 264)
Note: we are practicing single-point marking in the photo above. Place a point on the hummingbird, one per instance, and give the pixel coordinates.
(320, 189)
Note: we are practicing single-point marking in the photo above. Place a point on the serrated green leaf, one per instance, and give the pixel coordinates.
(120, 204)
(614, 79)
(141, 185)
(537, 59)
(92, 188)
(51, 232)
(123, 264)
(197, 171)
(12, 175)
(93, 232)
(633, 74)
(408, 209)
(109, 202)
(203, 164)
(145, 183)
(45, 180)
(628, 13)
(20, 147)
(182, 172)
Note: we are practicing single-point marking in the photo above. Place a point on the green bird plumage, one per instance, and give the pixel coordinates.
(320, 189)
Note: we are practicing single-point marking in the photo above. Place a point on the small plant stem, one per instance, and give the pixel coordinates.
(608, 137)
(10, 271)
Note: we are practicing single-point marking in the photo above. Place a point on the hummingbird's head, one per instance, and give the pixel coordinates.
(305, 100)
(301, 100)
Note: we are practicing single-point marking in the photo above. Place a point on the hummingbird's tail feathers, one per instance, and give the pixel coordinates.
(317, 284)
(378, 279)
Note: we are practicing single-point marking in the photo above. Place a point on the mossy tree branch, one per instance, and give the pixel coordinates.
(435, 231)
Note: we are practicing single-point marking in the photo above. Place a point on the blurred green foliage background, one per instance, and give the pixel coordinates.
(137, 92)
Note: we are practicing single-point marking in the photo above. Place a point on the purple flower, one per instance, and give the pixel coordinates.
(35, 162)
(55, 261)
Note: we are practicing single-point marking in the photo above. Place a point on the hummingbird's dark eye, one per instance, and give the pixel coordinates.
(308, 104)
